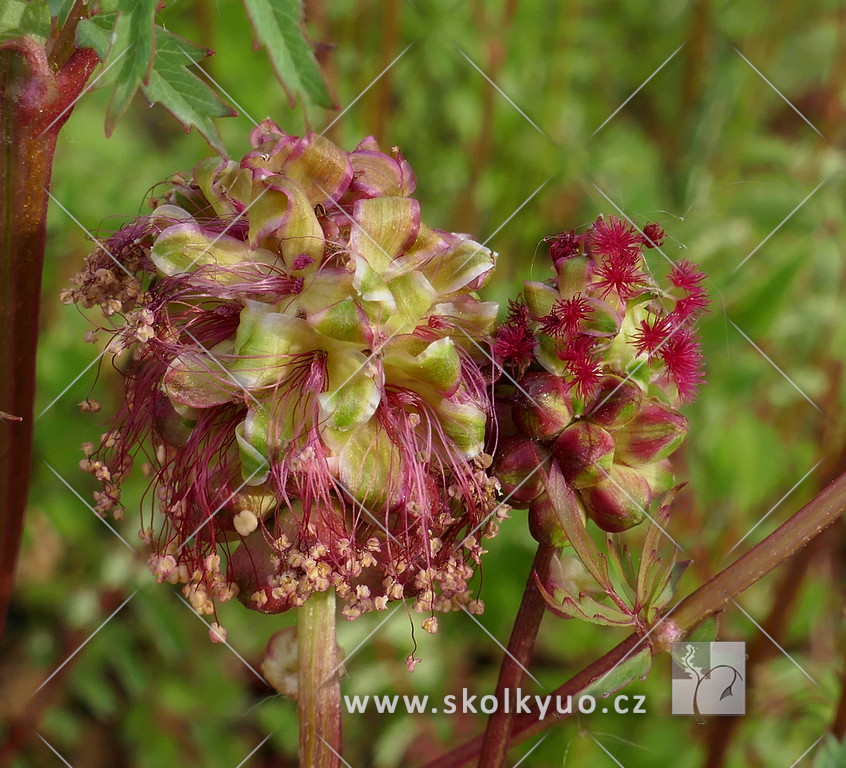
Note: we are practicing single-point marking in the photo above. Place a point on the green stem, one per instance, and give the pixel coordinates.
(521, 644)
(319, 683)
(31, 102)
(710, 598)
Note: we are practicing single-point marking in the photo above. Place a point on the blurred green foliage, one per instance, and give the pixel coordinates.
(706, 147)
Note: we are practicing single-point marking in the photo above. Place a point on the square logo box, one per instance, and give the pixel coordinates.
(709, 679)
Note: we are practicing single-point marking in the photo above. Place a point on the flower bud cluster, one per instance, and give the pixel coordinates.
(598, 359)
(306, 379)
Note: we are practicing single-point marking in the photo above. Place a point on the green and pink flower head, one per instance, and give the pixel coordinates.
(598, 360)
(306, 381)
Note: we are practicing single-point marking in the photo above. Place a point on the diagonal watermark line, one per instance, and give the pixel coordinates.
(648, 516)
(498, 366)
(540, 741)
(602, 747)
(56, 752)
(802, 756)
(370, 634)
(220, 88)
(786, 100)
(637, 91)
(82, 227)
(222, 505)
(774, 642)
(84, 91)
(641, 641)
(78, 377)
(372, 83)
(332, 750)
(494, 233)
(504, 501)
(229, 226)
(502, 93)
(227, 372)
(256, 749)
(93, 511)
(87, 640)
(781, 224)
(773, 508)
(620, 211)
(225, 642)
(356, 224)
(366, 511)
(770, 361)
(504, 649)
(516, 211)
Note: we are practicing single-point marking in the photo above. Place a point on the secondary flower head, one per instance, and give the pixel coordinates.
(599, 357)
(306, 380)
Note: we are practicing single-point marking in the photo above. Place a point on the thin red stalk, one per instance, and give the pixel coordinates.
(710, 598)
(521, 644)
(31, 98)
(721, 730)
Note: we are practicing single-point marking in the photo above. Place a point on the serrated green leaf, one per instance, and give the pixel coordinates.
(19, 18)
(599, 613)
(665, 587)
(96, 33)
(279, 26)
(179, 91)
(616, 573)
(135, 41)
(60, 10)
(650, 563)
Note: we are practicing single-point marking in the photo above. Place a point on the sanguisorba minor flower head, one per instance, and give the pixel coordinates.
(602, 357)
(305, 381)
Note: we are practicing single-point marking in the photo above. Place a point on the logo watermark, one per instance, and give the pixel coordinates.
(709, 679)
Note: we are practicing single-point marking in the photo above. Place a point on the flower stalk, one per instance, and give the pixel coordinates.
(520, 648)
(319, 683)
(822, 511)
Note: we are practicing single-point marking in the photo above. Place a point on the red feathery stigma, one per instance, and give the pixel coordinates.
(518, 312)
(564, 245)
(682, 355)
(582, 365)
(514, 345)
(619, 273)
(651, 335)
(653, 235)
(616, 238)
(566, 316)
(687, 276)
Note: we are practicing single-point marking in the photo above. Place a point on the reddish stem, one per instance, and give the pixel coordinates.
(35, 105)
(710, 598)
(521, 644)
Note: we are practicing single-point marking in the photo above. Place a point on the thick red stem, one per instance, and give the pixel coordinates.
(34, 104)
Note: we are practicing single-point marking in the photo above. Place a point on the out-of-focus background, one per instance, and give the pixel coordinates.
(724, 122)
